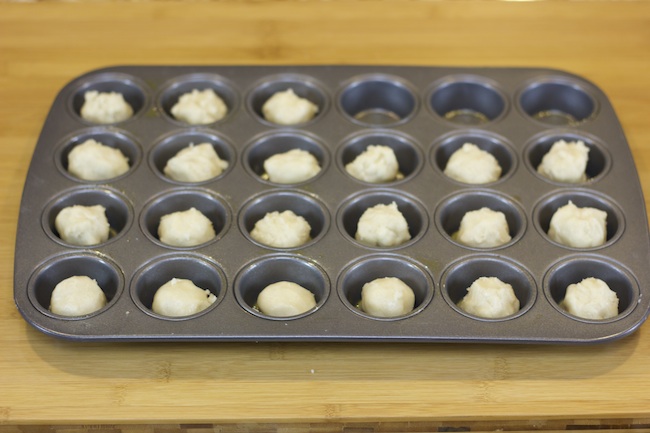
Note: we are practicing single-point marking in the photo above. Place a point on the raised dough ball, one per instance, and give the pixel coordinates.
(179, 297)
(382, 226)
(490, 298)
(281, 230)
(483, 228)
(77, 296)
(285, 299)
(92, 160)
(287, 108)
(294, 166)
(591, 298)
(185, 228)
(376, 164)
(195, 164)
(565, 162)
(82, 225)
(578, 227)
(105, 107)
(199, 107)
(470, 164)
(387, 297)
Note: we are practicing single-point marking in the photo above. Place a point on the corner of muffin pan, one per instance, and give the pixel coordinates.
(376, 108)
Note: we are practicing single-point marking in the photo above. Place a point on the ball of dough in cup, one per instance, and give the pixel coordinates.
(199, 107)
(287, 108)
(75, 296)
(473, 165)
(565, 162)
(185, 228)
(83, 225)
(382, 226)
(92, 160)
(376, 164)
(105, 107)
(483, 228)
(290, 167)
(195, 163)
(282, 230)
(592, 299)
(490, 298)
(285, 299)
(387, 297)
(576, 227)
(181, 297)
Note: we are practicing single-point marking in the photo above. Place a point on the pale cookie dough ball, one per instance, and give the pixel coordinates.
(281, 230)
(565, 162)
(185, 228)
(105, 107)
(382, 226)
(199, 107)
(591, 299)
(195, 163)
(287, 108)
(578, 227)
(470, 164)
(387, 297)
(490, 298)
(294, 166)
(77, 296)
(92, 160)
(376, 164)
(82, 225)
(285, 299)
(179, 297)
(483, 228)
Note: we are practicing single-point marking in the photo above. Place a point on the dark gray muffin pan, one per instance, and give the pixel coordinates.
(424, 114)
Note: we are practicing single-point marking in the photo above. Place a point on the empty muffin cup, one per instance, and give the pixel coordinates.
(100, 268)
(202, 271)
(557, 101)
(575, 269)
(546, 208)
(370, 268)
(378, 99)
(207, 202)
(257, 275)
(302, 205)
(451, 211)
(459, 276)
(170, 144)
(270, 144)
(467, 100)
(132, 89)
(174, 89)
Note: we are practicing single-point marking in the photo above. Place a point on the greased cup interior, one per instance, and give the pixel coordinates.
(378, 100)
(557, 101)
(100, 268)
(170, 144)
(177, 87)
(202, 271)
(467, 100)
(257, 275)
(119, 212)
(575, 269)
(370, 268)
(461, 274)
(134, 91)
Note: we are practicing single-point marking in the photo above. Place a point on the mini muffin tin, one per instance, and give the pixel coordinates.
(424, 114)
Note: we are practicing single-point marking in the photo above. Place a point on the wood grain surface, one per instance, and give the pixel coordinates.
(45, 381)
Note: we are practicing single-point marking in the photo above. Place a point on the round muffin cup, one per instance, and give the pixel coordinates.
(266, 145)
(352, 208)
(459, 276)
(378, 100)
(174, 89)
(208, 203)
(598, 163)
(170, 144)
(467, 100)
(111, 137)
(303, 86)
(118, 211)
(450, 212)
(306, 206)
(494, 144)
(574, 269)
(100, 268)
(547, 206)
(257, 275)
(201, 270)
(557, 101)
(407, 152)
(134, 91)
(369, 268)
